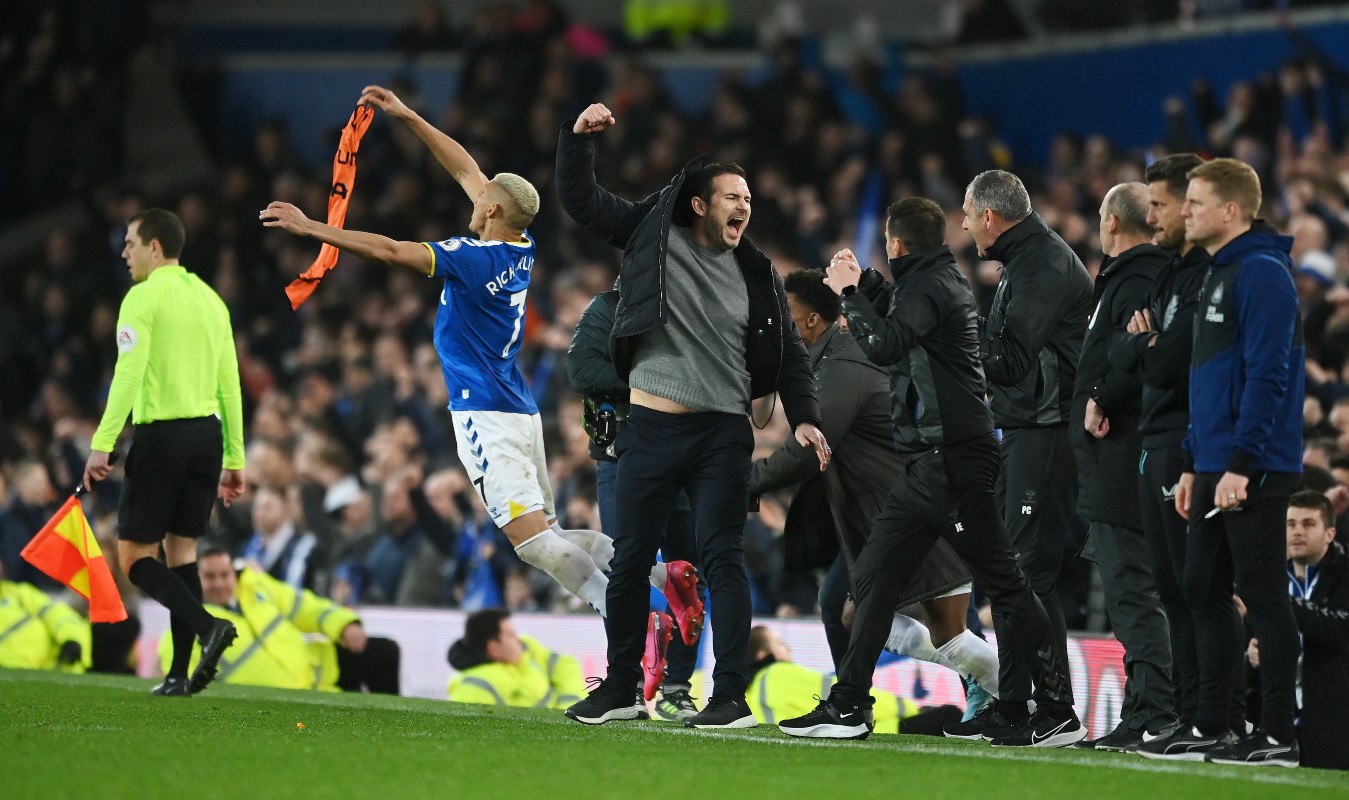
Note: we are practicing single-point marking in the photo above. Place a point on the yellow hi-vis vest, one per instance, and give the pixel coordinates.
(285, 636)
(33, 627)
(783, 690)
(542, 679)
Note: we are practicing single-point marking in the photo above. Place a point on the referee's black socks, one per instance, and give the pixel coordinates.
(180, 631)
(158, 581)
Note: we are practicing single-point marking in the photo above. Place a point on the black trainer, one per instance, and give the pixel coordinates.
(607, 701)
(723, 712)
(172, 687)
(987, 722)
(1043, 729)
(1256, 750)
(1184, 743)
(1120, 740)
(213, 646)
(832, 719)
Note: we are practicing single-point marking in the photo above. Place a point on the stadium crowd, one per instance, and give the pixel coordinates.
(354, 491)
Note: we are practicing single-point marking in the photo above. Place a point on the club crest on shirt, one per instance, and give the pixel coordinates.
(126, 338)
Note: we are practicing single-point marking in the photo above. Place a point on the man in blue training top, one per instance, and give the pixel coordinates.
(1243, 458)
(479, 328)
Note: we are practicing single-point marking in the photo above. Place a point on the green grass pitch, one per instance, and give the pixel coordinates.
(91, 737)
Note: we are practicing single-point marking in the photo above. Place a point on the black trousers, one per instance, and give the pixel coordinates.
(1139, 623)
(708, 456)
(1037, 492)
(1164, 531)
(1244, 548)
(679, 545)
(376, 668)
(949, 493)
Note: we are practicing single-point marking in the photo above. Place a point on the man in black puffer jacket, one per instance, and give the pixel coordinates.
(1104, 433)
(702, 327)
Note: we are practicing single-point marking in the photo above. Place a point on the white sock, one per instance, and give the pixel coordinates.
(909, 637)
(972, 656)
(659, 574)
(567, 564)
(599, 546)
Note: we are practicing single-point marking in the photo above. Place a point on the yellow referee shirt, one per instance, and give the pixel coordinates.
(175, 360)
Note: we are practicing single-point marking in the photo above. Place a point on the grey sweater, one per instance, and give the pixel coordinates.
(697, 358)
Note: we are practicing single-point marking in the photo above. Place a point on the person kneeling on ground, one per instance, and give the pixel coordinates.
(273, 620)
(497, 666)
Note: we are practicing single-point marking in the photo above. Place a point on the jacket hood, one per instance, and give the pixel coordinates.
(1011, 239)
(1261, 236)
(681, 213)
(463, 657)
(1132, 257)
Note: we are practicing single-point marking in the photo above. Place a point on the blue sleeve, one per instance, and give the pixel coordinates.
(458, 258)
(1267, 311)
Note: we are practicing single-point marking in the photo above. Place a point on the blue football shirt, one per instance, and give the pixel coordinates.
(481, 321)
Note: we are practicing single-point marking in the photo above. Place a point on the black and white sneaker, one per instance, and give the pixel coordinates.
(1256, 750)
(831, 719)
(1042, 729)
(1184, 743)
(723, 712)
(608, 702)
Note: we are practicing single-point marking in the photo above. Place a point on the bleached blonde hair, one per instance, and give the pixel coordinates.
(522, 194)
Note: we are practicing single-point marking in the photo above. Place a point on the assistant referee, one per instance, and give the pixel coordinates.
(178, 376)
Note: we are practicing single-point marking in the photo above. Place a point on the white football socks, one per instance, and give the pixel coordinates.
(909, 637)
(972, 656)
(567, 564)
(599, 546)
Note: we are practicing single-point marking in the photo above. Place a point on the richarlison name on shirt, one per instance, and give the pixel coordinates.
(525, 264)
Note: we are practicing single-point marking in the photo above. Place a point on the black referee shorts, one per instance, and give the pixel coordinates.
(172, 472)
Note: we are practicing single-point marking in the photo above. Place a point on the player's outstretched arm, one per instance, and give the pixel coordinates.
(369, 246)
(451, 155)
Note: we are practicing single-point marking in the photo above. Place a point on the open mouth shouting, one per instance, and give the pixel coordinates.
(734, 227)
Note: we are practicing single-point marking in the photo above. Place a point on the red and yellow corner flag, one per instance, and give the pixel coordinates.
(344, 181)
(66, 550)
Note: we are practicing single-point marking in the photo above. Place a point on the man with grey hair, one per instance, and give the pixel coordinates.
(1029, 345)
(479, 328)
(1107, 404)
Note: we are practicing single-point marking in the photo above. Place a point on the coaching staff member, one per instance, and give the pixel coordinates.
(1159, 344)
(702, 327)
(177, 375)
(944, 435)
(1244, 450)
(1107, 402)
(1030, 347)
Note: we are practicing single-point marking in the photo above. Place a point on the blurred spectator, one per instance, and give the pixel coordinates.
(278, 547)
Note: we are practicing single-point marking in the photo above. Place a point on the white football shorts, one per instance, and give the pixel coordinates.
(503, 455)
